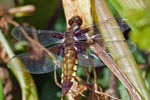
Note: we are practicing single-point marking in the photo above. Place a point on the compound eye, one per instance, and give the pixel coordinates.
(78, 20)
(75, 20)
(70, 22)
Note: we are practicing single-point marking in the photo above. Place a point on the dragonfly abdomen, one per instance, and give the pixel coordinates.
(69, 68)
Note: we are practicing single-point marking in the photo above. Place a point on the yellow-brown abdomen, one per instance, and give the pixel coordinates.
(69, 68)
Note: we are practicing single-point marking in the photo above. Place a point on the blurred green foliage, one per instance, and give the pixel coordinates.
(142, 28)
(123, 93)
(137, 14)
(1, 89)
(138, 18)
(44, 12)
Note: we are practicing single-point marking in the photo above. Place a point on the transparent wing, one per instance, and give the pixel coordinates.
(44, 37)
(36, 62)
(88, 58)
(81, 35)
(119, 44)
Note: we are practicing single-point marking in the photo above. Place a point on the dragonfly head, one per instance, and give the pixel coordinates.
(75, 21)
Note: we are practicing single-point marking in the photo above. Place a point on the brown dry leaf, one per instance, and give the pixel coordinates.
(3, 20)
(76, 91)
(113, 67)
(3, 55)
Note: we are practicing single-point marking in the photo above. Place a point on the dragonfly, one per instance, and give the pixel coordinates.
(71, 48)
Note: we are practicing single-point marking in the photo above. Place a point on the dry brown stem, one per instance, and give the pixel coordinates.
(113, 67)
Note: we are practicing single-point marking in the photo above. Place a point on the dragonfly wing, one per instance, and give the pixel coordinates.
(57, 50)
(89, 59)
(33, 62)
(119, 44)
(86, 57)
(50, 38)
(44, 37)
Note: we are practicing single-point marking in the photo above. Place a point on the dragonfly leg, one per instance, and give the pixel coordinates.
(87, 75)
(95, 78)
(55, 78)
(76, 93)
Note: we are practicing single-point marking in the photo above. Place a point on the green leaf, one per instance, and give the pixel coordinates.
(123, 93)
(141, 38)
(1, 91)
(104, 81)
(138, 19)
(139, 57)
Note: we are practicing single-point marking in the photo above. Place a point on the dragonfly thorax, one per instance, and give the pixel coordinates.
(69, 38)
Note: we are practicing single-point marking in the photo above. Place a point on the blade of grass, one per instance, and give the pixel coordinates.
(136, 14)
(25, 80)
(1, 91)
(127, 64)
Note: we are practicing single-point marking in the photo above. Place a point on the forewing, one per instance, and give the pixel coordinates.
(119, 44)
(88, 58)
(45, 37)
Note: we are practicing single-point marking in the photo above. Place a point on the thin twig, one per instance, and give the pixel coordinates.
(92, 90)
(87, 75)
(95, 78)
(101, 93)
(34, 42)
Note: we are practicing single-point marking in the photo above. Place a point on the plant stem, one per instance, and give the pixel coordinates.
(131, 10)
(25, 80)
(1, 91)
